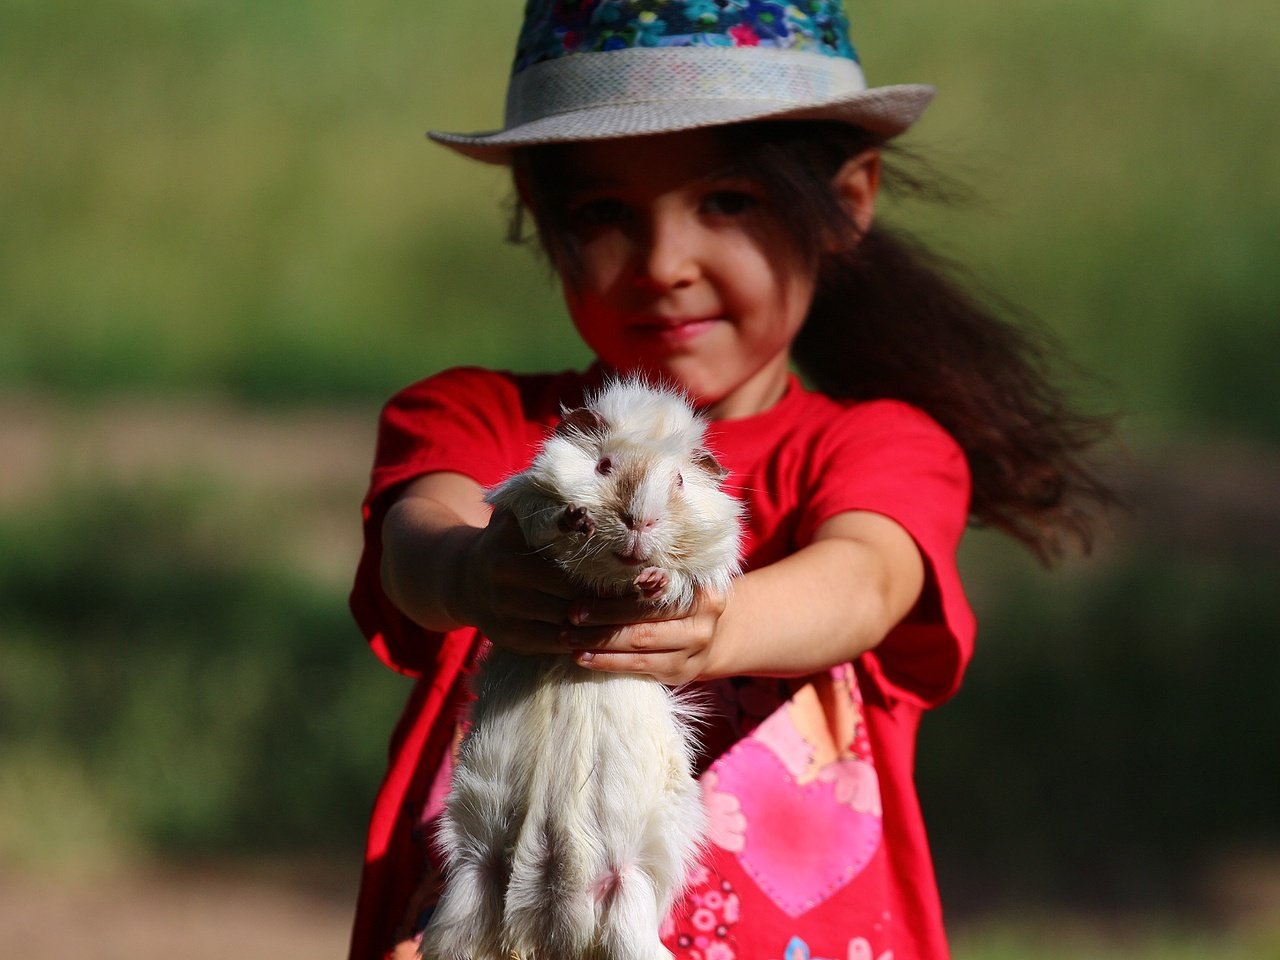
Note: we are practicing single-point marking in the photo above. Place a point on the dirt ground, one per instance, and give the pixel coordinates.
(302, 911)
(256, 912)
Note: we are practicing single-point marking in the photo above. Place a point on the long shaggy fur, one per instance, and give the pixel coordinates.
(574, 818)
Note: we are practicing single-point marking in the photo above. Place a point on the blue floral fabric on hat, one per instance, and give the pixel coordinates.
(556, 28)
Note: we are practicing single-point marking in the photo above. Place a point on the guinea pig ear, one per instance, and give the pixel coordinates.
(583, 421)
(705, 459)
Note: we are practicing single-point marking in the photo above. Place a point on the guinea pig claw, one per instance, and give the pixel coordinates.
(652, 582)
(576, 520)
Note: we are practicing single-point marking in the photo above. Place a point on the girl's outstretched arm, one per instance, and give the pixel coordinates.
(824, 604)
(447, 563)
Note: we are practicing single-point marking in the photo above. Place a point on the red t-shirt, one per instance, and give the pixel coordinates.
(816, 848)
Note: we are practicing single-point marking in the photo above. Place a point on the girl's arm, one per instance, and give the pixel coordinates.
(446, 563)
(825, 604)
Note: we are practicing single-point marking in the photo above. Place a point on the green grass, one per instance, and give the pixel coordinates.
(1051, 939)
(165, 692)
(1114, 735)
(239, 198)
(167, 688)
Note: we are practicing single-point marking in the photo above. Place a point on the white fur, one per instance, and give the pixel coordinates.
(574, 818)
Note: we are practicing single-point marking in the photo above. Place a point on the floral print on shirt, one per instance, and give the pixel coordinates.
(794, 804)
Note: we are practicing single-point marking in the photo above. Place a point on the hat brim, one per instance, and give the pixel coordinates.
(886, 111)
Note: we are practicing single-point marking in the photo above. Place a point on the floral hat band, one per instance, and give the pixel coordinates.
(600, 69)
(554, 29)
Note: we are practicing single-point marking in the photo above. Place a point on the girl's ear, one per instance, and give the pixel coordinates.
(856, 184)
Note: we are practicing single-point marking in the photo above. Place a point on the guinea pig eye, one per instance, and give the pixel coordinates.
(679, 479)
(604, 466)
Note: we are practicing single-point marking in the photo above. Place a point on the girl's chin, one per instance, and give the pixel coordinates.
(690, 378)
(719, 384)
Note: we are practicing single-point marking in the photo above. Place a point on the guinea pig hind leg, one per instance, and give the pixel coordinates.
(629, 924)
(467, 922)
(474, 835)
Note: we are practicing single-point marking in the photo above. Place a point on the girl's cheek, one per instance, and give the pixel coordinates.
(603, 269)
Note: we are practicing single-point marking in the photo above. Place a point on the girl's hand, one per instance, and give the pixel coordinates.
(518, 598)
(624, 635)
(448, 563)
(827, 603)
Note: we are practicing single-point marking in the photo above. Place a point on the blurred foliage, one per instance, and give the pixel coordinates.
(238, 197)
(165, 687)
(1116, 734)
(162, 693)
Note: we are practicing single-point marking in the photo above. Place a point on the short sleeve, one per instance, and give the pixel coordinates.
(467, 421)
(890, 458)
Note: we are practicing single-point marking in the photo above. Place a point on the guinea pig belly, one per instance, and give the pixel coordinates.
(650, 819)
(650, 810)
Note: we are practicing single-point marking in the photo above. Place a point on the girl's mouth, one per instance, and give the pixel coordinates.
(673, 332)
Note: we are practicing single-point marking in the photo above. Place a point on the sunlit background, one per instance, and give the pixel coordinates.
(224, 241)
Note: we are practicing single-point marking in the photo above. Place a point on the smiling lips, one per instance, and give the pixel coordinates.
(673, 331)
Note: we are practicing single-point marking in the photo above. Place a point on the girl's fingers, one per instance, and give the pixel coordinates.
(531, 638)
(616, 611)
(586, 638)
(671, 651)
(536, 571)
(514, 562)
(645, 638)
(619, 662)
(649, 642)
(542, 608)
(613, 640)
(672, 668)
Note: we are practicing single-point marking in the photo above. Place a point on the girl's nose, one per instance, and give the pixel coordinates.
(669, 259)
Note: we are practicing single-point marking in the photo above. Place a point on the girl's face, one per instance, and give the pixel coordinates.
(680, 269)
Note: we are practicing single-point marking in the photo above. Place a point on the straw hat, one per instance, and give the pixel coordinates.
(599, 69)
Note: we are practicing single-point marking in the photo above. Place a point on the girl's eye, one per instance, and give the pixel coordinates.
(729, 203)
(598, 213)
(604, 467)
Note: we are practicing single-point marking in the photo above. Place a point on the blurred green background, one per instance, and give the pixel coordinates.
(224, 241)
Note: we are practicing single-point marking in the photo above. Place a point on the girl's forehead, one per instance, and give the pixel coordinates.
(659, 159)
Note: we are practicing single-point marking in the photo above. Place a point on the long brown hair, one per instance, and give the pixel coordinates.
(892, 319)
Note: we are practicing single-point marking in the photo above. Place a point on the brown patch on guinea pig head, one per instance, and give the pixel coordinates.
(583, 421)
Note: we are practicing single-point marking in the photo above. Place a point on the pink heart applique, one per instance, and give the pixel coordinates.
(801, 844)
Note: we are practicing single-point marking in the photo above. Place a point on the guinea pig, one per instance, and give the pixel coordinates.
(573, 817)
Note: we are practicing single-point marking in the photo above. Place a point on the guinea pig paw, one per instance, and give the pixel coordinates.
(576, 520)
(652, 582)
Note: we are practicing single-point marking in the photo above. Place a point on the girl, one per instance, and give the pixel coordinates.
(703, 176)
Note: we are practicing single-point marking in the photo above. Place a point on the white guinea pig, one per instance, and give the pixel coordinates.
(574, 818)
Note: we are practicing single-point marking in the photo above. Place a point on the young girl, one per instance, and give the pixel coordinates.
(703, 177)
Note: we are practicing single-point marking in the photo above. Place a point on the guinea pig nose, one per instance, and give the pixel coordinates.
(629, 519)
